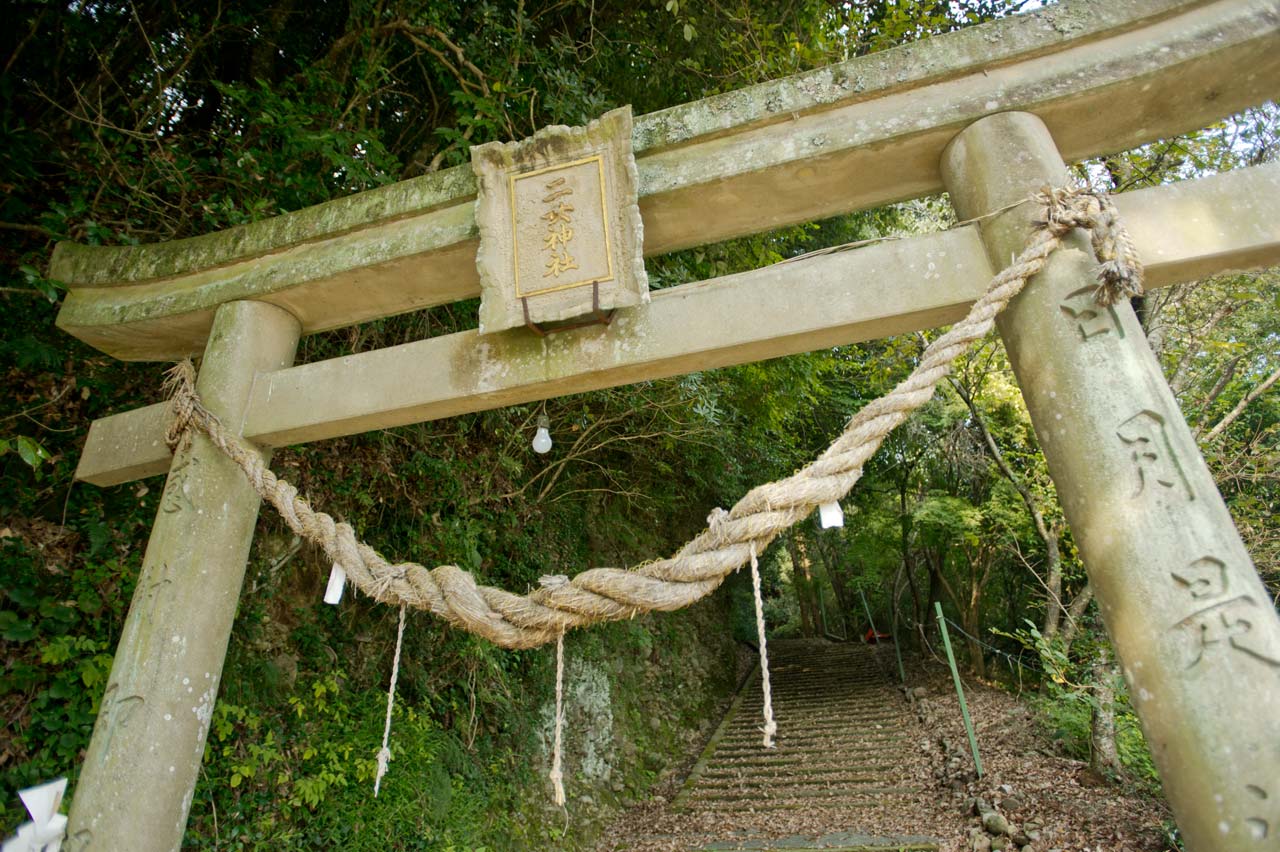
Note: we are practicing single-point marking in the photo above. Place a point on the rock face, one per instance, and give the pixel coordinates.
(629, 715)
(590, 698)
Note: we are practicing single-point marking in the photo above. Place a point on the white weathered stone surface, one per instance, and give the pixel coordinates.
(1191, 621)
(1103, 76)
(1182, 231)
(560, 230)
(140, 771)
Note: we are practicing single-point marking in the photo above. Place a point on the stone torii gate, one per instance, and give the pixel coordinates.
(988, 114)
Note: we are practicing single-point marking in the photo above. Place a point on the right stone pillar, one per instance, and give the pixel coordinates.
(1194, 628)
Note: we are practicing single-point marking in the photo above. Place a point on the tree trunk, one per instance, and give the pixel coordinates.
(1053, 580)
(973, 626)
(1049, 534)
(1075, 614)
(919, 607)
(840, 591)
(802, 581)
(895, 601)
(1103, 758)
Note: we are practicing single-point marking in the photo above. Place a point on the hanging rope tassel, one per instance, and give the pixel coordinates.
(557, 777)
(770, 727)
(384, 753)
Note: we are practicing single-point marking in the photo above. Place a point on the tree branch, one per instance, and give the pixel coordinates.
(1076, 612)
(1243, 404)
(28, 229)
(1228, 373)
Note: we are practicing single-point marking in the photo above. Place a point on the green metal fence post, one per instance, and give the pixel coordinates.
(902, 673)
(955, 675)
(867, 610)
(822, 612)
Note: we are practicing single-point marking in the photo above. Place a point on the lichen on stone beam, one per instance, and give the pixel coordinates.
(1182, 231)
(1102, 76)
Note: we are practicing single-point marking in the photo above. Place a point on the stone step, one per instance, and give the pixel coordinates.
(860, 687)
(858, 699)
(829, 792)
(844, 841)
(828, 724)
(859, 843)
(793, 798)
(842, 725)
(819, 752)
(838, 842)
(797, 734)
(790, 731)
(778, 783)
(775, 756)
(827, 721)
(825, 757)
(801, 770)
(750, 727)
(776, 772)
(799, 758)
(844, 678)
(794, 739)
(855, 698)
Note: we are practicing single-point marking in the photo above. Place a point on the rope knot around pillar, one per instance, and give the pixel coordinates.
(732, 537)
(179, 385)
(1063, 209)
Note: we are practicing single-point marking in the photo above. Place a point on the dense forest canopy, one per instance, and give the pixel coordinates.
(140, 122)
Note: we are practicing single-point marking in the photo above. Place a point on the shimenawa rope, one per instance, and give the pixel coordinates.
(384, 753)
(607, 594)
(557, 776)
(770, 727)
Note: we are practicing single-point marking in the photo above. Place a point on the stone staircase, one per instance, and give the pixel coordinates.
(838, 768)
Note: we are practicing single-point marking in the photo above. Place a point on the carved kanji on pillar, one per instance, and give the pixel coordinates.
(1218, 620)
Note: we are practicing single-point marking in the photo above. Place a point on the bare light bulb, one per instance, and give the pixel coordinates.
(542, 438)
(830, 515)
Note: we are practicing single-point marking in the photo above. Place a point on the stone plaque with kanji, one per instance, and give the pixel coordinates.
(560, 230)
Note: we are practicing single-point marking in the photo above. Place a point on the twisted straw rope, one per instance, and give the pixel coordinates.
(766, 691)
(557, 773)
(610, 594)
(384, 753)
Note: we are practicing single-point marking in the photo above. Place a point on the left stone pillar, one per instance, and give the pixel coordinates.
(139, 775)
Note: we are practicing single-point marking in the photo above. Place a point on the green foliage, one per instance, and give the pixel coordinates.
(1067, 702)
(56, 629)
(29, 450)
(302, 779)
(1220, 345)
(128, 123)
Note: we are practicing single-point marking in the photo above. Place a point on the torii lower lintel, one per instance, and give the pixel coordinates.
(1182, 231)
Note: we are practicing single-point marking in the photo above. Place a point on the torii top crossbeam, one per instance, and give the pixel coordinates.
(1102, 76)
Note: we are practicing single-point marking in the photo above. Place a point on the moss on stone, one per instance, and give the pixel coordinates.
(937, 58)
